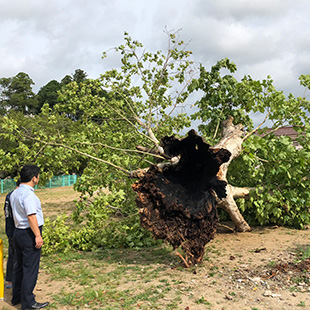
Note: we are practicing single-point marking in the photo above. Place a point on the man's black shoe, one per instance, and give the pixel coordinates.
(38, 305)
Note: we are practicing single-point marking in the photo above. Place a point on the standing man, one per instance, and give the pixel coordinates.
(27, 238)
(9, 230)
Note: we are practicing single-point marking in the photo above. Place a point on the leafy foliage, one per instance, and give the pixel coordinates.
(21, 143)
(110, 221)
(277, 171)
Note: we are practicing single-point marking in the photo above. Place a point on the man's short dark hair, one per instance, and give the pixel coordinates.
(28, 172)
(18, 182)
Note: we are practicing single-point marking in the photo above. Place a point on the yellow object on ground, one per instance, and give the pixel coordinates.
(1, 271)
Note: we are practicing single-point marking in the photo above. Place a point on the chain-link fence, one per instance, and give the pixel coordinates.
(8, 185)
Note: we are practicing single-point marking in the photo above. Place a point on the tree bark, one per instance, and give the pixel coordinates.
(232, 141)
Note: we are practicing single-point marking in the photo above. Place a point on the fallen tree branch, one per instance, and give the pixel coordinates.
(77, 151)
(140, 150)
(240, 192)
(260, 125)
(227, 227)
(153, 152)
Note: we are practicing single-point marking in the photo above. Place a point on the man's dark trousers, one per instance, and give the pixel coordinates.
(10, 261)
(26, 267)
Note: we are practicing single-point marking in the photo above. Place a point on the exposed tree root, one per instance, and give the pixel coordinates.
(178, 203)
(183, 259)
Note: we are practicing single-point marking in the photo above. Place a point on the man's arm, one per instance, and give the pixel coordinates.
(33, 223)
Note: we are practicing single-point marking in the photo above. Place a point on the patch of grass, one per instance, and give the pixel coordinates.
(272, 263)
(202, 300)
(115, 299)
(301, 304)
(177, 281)
(303, 252)
(303, 278)
(115, 279)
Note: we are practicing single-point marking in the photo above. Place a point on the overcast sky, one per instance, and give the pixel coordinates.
(48, 39)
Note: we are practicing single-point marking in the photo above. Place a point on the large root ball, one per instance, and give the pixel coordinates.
(178, 204)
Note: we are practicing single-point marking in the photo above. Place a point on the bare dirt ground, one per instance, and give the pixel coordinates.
(257, 270)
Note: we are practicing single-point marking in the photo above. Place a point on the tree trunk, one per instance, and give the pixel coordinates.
(232, 141)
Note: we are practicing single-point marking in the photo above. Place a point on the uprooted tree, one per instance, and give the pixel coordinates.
(178, 203)
(125, 118)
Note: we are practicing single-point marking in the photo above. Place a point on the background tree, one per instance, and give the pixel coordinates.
(17, 94)
(79, 75)
(49, 94)
(66, 80)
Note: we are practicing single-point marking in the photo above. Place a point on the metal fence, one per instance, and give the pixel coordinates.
(8, 185)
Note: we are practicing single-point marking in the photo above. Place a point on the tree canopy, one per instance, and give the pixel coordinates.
(49, 93)
(17, 94)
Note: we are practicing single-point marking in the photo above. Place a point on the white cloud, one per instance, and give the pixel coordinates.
(244, 9)
(49, 39)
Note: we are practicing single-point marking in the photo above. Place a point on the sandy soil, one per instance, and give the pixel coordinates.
(257, 270)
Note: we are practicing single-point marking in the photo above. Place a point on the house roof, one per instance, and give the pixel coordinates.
(286, 131)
